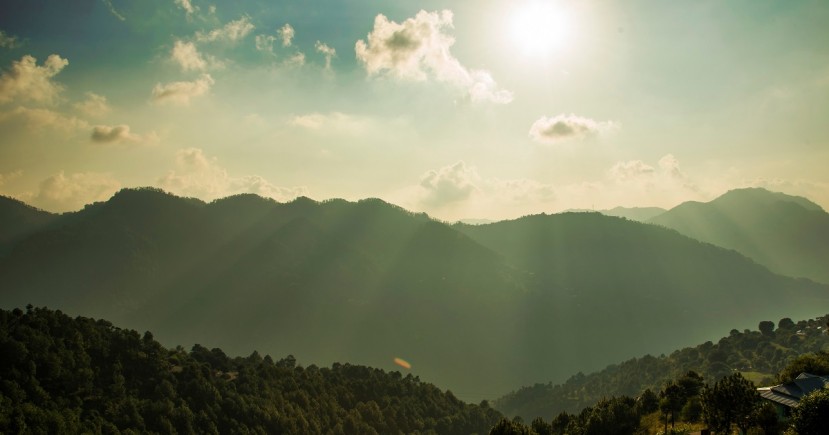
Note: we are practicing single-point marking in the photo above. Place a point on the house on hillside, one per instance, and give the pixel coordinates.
(786, 396)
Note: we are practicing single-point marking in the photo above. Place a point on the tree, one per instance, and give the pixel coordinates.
(767, 327)
(765, 417)
(507, 427)
(812, 414)
(816, 364)
(647, 402)
(671, 401)
(785, 323)
(731, 400)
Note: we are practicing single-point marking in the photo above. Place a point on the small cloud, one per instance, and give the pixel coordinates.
(418, 49)
(181, 92)
(287, 34)
(449, 184)
(106, 134)
(186, 5)
(61, 192)
(26, 81)
(39, 119)
(631, 170)
(265, 43)
(187, 56)
(8, 41)
(197, 175)
(331, 122)
(562, 127)
(93, 106)
(10, 176)
(112, 10)
(327, 52)
(233, 31)
(298, 59)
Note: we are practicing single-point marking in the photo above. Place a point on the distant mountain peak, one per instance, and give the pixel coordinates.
(762, 196)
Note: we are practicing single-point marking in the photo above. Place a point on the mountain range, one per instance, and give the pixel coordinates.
(480, 309)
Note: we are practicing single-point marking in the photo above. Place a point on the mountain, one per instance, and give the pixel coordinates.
(787, 234)
(479, 309)
(18, 220)
(758, 354)
(641, 214)
(81, 375)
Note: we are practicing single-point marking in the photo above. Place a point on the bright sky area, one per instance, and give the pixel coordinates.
(462, 109)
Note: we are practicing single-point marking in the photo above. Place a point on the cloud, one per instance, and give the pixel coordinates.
(186, 5)
(563, 127)
(106, 134)
(265, 43)
(661, 184)
(181, 92)
(39, 119)
(326, 51)
(5, 178)
(93, 106)
(419, 49)
(112, 10)
(449, 184)
(287, 33)
(337, 122)
(200, 176)
(26, 81)
(298, 59)
(7, 41)
(61, 193)
(187, 56)
(231, 32)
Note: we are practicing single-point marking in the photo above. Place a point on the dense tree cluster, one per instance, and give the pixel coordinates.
(758, 354)
(71, 375)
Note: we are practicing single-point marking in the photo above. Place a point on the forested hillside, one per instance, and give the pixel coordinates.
(74, 375)
(787, 234)
(477, 309)
(759, 354)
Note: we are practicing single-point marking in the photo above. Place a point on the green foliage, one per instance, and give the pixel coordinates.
(731, 400)
(64, 375)
(813, 363)
(811, 417)
(748, 350)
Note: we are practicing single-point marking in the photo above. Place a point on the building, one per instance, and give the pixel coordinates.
(786, 396)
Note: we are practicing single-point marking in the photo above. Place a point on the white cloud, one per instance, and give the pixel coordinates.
(449, 184)
(265, 43)
(197, 175)
(181, 92)
(563, 127)
(26, 81)
(106, 134)
(287, 33)
(61, 193)
(39, 119)
(186, 5)
(298, 59)
(327, 52)
(419, 49)
(114, 12)
(7, 41)
(336, 122)
(231, 32)
(93, 106)
(187, 56)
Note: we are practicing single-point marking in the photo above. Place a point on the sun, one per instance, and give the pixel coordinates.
(539, 28)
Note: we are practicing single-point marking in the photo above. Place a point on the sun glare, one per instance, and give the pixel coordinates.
(539, 29)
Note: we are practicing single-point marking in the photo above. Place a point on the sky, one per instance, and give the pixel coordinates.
(488, 109)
